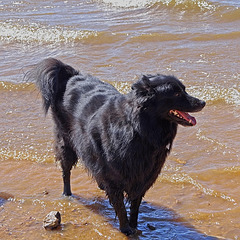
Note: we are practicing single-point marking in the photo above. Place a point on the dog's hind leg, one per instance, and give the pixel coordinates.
(134, 209)
(68, 158)
(117, 200)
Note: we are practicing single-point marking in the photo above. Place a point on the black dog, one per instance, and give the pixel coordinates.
(123, 140)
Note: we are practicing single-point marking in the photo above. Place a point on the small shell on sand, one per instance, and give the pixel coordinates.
(52, 220)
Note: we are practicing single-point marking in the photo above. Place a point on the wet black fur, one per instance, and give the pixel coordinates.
(123, 140)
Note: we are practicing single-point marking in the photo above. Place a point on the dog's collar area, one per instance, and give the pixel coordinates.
(184, 117)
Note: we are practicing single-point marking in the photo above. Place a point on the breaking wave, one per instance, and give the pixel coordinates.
(14, 32)
(203, 5)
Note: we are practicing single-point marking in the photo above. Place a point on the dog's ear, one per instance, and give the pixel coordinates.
(143, 86)
(146, 81)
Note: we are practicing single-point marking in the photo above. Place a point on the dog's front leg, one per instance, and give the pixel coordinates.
(117, 201)
(134, 209)
(66, 182)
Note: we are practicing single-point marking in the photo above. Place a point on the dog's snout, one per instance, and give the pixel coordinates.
(199, 105)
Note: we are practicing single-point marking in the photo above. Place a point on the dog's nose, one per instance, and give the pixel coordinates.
(202, 103)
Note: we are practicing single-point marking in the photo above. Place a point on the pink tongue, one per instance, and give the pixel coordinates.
(188, 117)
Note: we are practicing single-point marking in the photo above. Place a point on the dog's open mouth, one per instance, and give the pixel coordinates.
(183, 118)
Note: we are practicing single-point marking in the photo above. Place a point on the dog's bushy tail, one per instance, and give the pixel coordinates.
(51, 77)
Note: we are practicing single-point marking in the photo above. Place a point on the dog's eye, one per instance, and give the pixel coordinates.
(177, 94)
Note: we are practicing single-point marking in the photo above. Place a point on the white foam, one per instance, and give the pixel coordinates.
(203, 4)
(40, 33)
(128, 3)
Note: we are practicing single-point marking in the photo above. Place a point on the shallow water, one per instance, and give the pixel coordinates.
(197, 194)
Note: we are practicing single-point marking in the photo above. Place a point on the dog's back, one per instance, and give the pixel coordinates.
(85, 95)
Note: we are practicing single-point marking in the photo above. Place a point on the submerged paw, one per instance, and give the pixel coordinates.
(128, 231)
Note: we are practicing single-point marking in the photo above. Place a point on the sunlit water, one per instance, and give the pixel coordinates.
(197, 194)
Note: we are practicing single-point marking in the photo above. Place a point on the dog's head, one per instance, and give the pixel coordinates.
(165, 97)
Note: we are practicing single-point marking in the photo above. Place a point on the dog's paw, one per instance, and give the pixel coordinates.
(128, 231)
(66, 195)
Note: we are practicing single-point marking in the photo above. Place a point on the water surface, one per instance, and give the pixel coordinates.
(197, 194)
